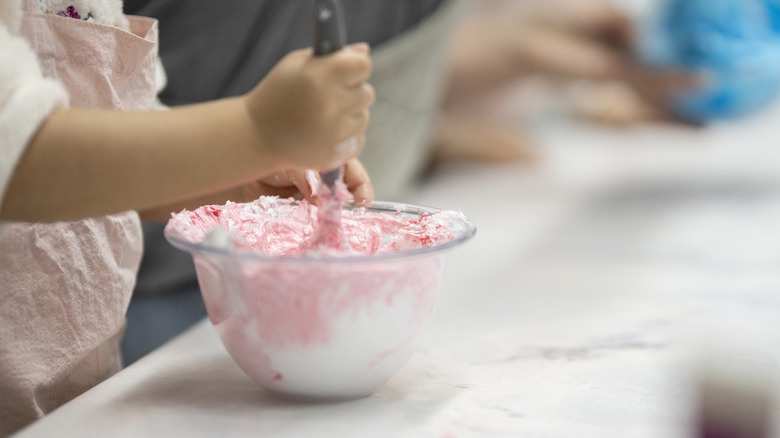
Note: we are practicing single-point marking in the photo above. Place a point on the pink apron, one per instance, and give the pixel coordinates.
(65, 287)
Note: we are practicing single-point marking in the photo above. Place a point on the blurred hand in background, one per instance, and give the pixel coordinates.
(584, 47)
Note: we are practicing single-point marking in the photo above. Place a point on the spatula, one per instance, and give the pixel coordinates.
(329, 36)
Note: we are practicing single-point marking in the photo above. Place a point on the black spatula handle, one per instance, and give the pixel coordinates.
(329, 36)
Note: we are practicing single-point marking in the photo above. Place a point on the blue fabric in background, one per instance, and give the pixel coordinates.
(734, 43)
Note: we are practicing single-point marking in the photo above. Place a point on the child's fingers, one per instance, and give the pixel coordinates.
(360, 98)
(363, 118)
(363, 48)
(345, 150)
(350, 67)
(355, 103)
(358, 182)
(298, 178)
(351, 129)
(358, 138)
(286, 183)
(361, 142)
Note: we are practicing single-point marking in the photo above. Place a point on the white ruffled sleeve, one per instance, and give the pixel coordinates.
(26, 97)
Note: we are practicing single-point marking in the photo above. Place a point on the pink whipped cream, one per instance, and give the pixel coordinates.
(286, 227)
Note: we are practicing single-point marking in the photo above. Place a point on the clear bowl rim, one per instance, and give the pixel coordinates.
(469, 230)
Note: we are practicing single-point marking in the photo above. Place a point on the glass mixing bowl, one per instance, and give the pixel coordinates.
(325, 327)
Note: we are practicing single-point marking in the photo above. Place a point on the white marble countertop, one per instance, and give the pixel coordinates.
(598, 282)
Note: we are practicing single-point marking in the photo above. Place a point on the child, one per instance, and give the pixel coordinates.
(65, 285)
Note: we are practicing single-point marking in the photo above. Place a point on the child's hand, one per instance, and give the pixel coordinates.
(293, 183)
(285, 184)
(307, 107)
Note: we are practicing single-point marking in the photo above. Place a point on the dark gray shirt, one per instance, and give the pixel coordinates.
(213, 49)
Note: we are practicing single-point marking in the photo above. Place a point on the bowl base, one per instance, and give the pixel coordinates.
(307, 398)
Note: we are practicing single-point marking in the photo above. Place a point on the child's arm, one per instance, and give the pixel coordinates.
(86, 162)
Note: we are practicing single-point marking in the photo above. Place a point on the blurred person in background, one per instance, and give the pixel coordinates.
(435, 63)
